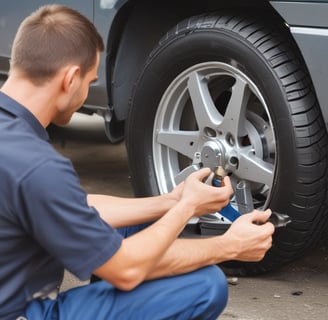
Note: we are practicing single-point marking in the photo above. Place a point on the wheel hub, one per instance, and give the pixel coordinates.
(212, 154)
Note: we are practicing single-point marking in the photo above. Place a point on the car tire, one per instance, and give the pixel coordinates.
(226, 65)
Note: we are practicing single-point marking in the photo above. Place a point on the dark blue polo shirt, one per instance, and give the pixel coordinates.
(46, 224)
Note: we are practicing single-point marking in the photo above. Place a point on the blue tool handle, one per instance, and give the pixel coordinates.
(228, 212)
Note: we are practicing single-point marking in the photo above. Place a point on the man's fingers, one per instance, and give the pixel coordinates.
(227, 182)
(258, 217)
(202, 174)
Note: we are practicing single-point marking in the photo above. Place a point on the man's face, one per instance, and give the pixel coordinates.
(78, 96)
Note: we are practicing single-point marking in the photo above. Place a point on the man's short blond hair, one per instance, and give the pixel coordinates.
(51, 38)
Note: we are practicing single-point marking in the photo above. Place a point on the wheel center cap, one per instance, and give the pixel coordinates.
(212, 154)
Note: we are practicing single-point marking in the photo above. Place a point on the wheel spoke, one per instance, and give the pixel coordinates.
(255, 169)
(205, 111)
(182, 175)
(184, 142)
(235, 116)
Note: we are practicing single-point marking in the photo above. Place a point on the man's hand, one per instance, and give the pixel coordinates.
(203, 197)
(250, 236)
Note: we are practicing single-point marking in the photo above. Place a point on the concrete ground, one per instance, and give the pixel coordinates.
(298, 291)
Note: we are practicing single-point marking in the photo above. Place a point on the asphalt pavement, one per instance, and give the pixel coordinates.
(298, 291)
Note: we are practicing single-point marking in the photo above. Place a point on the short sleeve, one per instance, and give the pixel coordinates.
(57, 215)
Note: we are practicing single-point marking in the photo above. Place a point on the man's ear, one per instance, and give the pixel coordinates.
(71, 76)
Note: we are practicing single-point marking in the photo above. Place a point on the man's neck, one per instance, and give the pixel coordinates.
(36, 99)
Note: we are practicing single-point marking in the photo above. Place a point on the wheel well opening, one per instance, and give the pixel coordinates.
(139, 28)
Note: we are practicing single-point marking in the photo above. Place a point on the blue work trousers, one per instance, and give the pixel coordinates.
(201, 294)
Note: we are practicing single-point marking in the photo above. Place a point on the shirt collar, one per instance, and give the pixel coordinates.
(15, 108)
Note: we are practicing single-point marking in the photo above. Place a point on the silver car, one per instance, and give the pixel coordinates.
(240, 84)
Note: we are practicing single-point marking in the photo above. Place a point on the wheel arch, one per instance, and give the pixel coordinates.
(132, 39)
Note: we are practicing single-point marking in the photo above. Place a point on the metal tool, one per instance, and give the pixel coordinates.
(279, 219)
(228, 212)
(244, 197)
(245, 204)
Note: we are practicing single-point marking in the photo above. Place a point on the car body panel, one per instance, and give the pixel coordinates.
(303, 13)
(309, 26)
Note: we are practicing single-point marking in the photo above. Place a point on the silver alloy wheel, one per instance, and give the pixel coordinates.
(213, 114)
(231, 88)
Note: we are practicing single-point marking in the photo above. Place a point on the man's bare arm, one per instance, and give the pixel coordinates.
(140, 252)
(124, 212)
(156, 252)
(245, 241)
